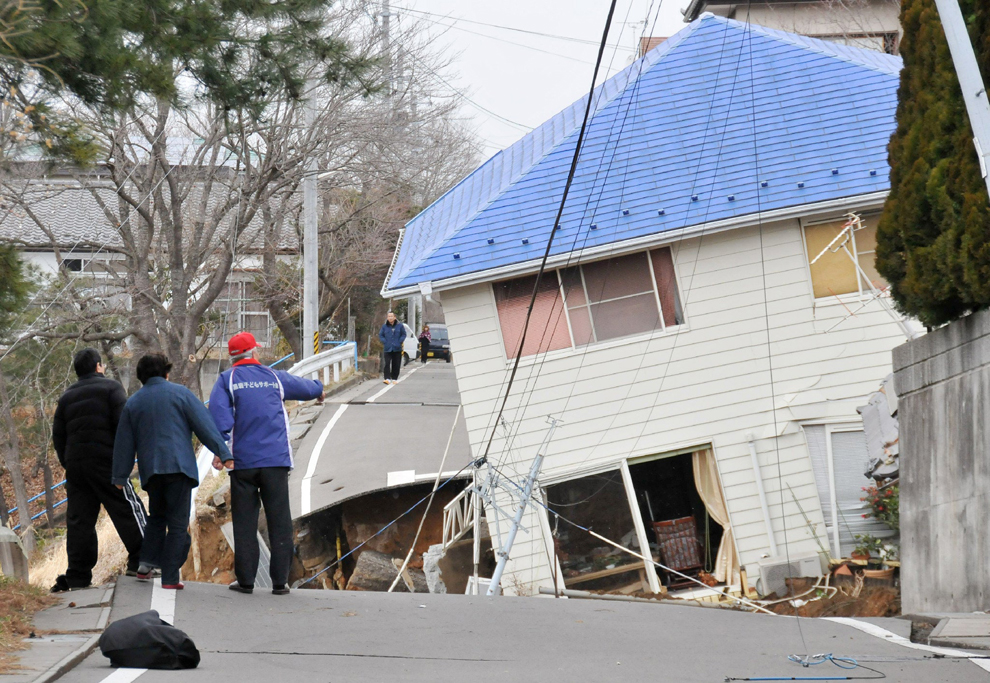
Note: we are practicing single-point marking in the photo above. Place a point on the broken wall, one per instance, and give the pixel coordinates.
(943, 384)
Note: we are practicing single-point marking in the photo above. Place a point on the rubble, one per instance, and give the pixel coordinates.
(375, 571)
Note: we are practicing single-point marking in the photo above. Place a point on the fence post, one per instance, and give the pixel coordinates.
(326, 375)
(336, 372)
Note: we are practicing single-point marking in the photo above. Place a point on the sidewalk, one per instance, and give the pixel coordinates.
(66, 634)
(967, 630)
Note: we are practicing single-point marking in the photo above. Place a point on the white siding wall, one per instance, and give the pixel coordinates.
(707, 383)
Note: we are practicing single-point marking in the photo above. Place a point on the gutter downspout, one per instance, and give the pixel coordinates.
(762, 492)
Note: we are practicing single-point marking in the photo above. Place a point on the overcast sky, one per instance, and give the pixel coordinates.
(520, 78)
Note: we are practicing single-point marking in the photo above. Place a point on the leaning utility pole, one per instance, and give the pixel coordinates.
(311, 282)
(968, 71)
(526, 492)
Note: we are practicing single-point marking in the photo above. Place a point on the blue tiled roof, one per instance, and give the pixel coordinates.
(716, 112)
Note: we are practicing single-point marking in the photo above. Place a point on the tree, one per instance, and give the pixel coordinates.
(14, 289)
(933, 241)
(111, 55)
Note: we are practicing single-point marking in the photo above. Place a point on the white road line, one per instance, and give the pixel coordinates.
(891, 637)
(305, 502)
(163, 601)
(398, 381)
(124, 675)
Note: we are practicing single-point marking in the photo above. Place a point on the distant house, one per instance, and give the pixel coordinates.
(700, 357)
(872, 24)
(79, 239)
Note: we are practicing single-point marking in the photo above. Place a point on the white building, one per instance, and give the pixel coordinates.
(873, 24)
(680, 325)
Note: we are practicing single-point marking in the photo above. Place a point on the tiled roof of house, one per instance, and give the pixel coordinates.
(721, 121)
(75, 220)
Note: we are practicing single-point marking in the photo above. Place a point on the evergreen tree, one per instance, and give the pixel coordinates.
(933, 242)
(14, 286)
(238, 54)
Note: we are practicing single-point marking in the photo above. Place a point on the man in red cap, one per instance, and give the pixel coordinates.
(247, 405)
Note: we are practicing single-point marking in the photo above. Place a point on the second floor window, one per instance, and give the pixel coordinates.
(845, 261)
(593, 302)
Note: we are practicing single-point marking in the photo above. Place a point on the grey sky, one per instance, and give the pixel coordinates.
(527, 78)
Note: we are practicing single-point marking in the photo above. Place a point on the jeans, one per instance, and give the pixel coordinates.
(393, 361)
(166, 538)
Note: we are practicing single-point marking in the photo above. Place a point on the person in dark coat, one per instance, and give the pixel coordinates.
(83, 434)
(392, 334)
(424, 343)
(157, 424)
(247, 405)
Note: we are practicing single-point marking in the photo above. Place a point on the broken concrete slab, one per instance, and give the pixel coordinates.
(375, 571)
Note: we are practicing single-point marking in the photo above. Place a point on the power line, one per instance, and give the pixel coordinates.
(583, 41)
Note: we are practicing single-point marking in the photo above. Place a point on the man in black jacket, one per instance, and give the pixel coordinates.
(83, 434)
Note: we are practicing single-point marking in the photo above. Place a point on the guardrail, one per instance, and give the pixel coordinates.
(337, 358)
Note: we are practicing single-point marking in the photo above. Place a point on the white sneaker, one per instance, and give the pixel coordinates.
(386, 381)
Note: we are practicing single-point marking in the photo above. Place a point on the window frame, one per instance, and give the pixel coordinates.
(662, 329)
(861, 292)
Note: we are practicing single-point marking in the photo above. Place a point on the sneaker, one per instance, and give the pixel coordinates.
(62, 585)
(280, 590)
(241, 589)
(145, 572)
(174, 586)
(386, 381)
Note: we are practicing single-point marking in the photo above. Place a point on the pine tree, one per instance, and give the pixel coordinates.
(110, 54)
(933, 242)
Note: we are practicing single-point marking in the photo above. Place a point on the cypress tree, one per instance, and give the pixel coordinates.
(933, 241)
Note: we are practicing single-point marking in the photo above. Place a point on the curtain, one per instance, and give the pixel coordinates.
(707, 482)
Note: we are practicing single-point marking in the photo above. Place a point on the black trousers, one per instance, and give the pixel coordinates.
(166, 541)
(268, 486)
(424, 348)
(87, 487)
(393, 361)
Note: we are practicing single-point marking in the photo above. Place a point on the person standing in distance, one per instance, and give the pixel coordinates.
(247, 405)
(424, 343)
(157, 424)
(83, 434)
(392, 334)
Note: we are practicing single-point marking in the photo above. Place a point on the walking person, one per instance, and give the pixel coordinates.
(424, 343)
(392, 334)
(247, 405)
(157, 424)
(83, 432)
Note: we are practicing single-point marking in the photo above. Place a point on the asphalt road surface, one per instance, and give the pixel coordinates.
(376, 436)
(344, 636)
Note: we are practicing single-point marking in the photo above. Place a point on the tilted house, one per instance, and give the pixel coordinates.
(706, 372)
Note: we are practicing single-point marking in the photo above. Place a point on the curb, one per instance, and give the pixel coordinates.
(70, 661)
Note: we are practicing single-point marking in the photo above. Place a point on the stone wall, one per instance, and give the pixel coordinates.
(943, 384)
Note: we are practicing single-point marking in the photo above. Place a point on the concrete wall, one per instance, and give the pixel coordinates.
(943, 382)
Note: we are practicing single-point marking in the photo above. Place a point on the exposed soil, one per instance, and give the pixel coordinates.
(18, 604)
(846, 599)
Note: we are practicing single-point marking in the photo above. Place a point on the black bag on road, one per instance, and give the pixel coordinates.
(144, 641)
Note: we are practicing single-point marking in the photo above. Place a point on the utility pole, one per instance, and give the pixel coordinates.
(973, 90)
(311, 246)
(524, 496)
(387, 44)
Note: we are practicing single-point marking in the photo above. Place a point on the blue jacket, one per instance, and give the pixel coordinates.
(392, 336)
(157, 423)
(246, 404)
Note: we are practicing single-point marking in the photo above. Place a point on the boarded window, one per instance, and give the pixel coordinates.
(835, 272)
(547, 328)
